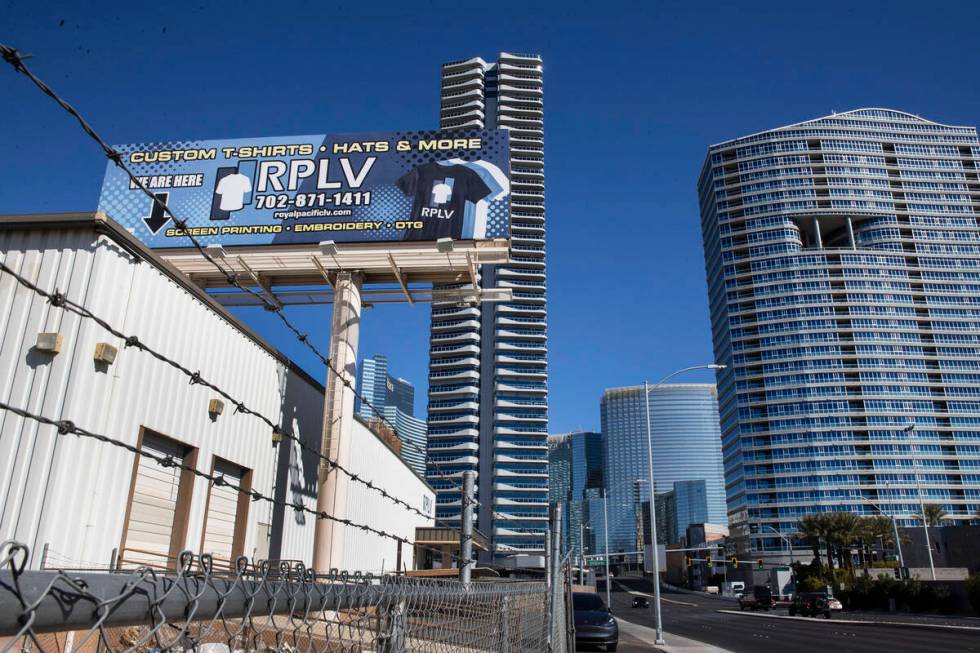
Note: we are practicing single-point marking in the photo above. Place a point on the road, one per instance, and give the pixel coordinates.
(696, 617)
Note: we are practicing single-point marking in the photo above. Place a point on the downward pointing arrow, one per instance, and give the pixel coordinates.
(158, 217)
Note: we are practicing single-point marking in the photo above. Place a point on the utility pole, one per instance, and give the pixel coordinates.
(466, 532)
(910, 429)
(605, 542)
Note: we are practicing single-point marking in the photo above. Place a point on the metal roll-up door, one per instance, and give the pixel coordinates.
(153, 511)
(221, 531)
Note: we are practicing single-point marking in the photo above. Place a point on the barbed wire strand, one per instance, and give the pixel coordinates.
(13, 57)
(59, 300)
(65, 427)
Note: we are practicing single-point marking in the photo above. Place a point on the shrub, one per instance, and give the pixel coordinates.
(973, 591)
(813, 584)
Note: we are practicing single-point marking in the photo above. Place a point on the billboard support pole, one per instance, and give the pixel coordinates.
(338, 420)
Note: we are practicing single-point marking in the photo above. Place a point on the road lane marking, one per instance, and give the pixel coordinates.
(650, 596)
(850, 622)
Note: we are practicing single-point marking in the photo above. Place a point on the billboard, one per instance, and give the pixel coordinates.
(371, 187)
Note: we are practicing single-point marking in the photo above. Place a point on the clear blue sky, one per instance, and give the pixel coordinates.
(634, 93)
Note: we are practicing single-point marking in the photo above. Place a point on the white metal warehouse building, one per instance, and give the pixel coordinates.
(78, 502)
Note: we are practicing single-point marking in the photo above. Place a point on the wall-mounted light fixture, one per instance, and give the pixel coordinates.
(105, 353)
(48, 341)
(215, 408)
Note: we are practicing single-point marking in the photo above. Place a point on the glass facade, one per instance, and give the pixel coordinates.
(488, 369)
(395, 398)
(686, 446)
(575, 473)
(843, 266)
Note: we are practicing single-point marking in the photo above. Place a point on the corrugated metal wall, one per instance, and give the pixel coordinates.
(373, 460)
(70, 492)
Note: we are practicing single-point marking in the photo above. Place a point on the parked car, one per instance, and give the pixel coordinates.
(810, 604)
(594, 622)
(759, 599)
(641, 602)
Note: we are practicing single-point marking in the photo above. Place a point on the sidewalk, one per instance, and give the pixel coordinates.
(675, 643)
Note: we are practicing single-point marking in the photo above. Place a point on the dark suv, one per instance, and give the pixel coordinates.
(810, 604)
(759, 599)
(594, 623)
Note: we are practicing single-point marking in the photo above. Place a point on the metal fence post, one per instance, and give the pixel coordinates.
(505, 625)
(393, 637)
(466, 532)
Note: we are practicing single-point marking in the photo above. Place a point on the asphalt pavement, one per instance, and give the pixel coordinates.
(695, 617)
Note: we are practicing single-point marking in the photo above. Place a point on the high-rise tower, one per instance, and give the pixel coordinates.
(843, 265)
(686, 446)
(394, 398)
(488, 369)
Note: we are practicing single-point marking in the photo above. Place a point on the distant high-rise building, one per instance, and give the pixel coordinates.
(488, 370)
(689, 505)
(394, 398)
(843, 266)
(575, 472)
(686, 446)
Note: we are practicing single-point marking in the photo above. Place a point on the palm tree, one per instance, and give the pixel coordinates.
(842, 529)
(812, 531)
(935, 514)
(872, 529)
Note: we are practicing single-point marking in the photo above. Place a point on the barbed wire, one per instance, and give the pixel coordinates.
(65, 427)
(59, 300)
(13, 57)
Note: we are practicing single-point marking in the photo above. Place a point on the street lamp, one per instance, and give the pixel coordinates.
(898, 542)
(918, 491)
(792, 559)
(647, 389)
(581, 549)
(605, 540)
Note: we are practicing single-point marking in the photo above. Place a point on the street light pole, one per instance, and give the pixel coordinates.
(898, 542)
(605, 542)
(655, 554)
(918, 490)
(792, 559)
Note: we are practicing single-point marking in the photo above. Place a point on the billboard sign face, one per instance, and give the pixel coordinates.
(372, 187)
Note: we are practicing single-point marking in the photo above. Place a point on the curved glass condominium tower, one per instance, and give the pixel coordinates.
(488, 364)
(843, 266)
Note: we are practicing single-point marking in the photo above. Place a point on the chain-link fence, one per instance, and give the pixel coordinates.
(560, 605)
(269, 607)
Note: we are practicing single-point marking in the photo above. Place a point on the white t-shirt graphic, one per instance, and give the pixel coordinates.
(441, 192)
(232, 189)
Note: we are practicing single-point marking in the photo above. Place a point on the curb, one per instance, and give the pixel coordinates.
(853, 622)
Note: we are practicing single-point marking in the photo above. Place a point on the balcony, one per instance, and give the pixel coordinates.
(452, 419)
(456, 447)
(456, 325)
(444, 363)
(453, 375)
(518, 473)
(441, 339)
(517, 486)
(443, 406)
(522, 273)
(531, 347)
(450, 350)
(459, 432)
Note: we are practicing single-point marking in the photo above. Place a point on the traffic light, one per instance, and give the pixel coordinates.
(734, 561)
(761, 564)
(707, 559)
(898, 573)
(690, 561)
